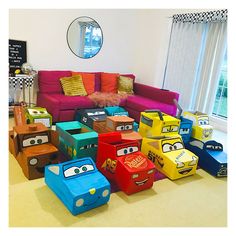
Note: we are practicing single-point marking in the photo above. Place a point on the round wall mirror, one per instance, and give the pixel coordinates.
(84, 37)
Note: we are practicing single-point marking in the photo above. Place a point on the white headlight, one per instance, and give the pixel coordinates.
(105, 193)
(33, 161)
(79, 202)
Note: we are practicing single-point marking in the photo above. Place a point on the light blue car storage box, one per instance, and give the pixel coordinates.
(78, 184)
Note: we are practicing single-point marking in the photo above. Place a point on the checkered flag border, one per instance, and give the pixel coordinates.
(21, 81)
(202, 17)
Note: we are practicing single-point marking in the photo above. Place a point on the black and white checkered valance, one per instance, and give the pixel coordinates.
(202, 17)
(20, 82)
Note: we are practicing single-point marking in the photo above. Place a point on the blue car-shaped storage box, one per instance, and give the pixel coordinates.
(116, 111)
(212, 158)
(185, 129)
(78, 184)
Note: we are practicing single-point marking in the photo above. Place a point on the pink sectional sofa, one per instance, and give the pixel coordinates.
(62, 108)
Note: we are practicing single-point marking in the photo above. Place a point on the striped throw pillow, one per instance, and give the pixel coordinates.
(73, 86)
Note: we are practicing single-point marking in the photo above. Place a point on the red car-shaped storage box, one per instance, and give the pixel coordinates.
(123, 164)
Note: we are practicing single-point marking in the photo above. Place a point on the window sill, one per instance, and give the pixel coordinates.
(218, 123)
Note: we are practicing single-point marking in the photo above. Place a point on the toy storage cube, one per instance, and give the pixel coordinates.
(212, 158)
(201, 129)
(33, 147)
(123, 124)
(99, 126)
(38, 115)
(170, 157)
(155, 123)
(34, 160)
(116, 111)
(119, 111)
(89, 116)
(185, 129)
(78, 184)
(111, 147)
(134, 173)
(119, 123)
(77, 140)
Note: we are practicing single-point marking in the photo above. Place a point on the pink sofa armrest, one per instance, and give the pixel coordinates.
(52, 104)
(161, 95)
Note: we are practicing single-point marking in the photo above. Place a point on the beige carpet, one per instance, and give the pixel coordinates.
(199, 200)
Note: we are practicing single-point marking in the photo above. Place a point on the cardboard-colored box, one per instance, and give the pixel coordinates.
(99, 127)
(155, 123)
(119, 111)
(34, 146)
(201, 129)
(170, 156)
(77, 140)
(123, 124)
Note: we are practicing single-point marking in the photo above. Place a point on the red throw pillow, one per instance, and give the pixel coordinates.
(109, 82)
(88, 81)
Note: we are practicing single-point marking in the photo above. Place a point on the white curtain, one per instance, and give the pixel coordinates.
(209, 71)
(195, 55)
(183, 58)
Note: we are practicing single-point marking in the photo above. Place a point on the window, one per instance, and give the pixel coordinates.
(220, 104)
(93, 37)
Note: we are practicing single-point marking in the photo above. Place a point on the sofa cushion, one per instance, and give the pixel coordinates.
(125, 85)
(49, 82)
(68, 102)
(73, 86)
(140, 103)
(109, 82)
(88, 80)
(132, 76)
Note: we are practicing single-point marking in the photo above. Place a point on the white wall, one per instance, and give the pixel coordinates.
(135, 41)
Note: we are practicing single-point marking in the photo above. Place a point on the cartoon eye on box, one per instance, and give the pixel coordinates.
(156, 123)
(170, 156)
(201, 128)
(34, 146)
(77, 140)
(78, 184)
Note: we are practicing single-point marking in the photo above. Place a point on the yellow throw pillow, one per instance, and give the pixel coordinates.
(73, 86)
(125, 85)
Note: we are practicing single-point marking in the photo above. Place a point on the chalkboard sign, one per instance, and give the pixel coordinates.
(17, 55)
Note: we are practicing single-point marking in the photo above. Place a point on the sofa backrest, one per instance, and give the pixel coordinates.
(49, 80)
(162, 95)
